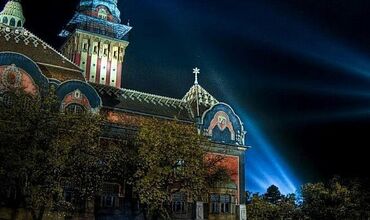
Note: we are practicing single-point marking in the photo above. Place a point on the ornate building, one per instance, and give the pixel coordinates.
(96, 41)
(87, 75)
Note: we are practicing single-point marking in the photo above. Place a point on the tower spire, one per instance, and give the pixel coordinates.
(12, 14)
(196, 72)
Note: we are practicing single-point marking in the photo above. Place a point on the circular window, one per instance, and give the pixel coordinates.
(6, 99)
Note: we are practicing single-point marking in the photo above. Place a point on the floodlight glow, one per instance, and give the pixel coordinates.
(264, 165)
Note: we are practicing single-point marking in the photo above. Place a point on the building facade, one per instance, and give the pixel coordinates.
(87, 76)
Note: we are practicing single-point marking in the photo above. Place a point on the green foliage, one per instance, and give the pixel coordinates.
(171, 160)
(335, 200)
(44, 150)
(272, 205)
(273, 194)
(259, 208)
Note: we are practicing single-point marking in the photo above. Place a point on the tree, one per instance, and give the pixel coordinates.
(288, 208)
(171, 161)
(335, 200)
(273, 195)
(44, 151)
(272, 205)
(260, 208)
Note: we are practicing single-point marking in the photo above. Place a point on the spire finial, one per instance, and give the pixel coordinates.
(196, 72)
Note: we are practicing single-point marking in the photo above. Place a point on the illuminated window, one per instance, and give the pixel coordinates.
(75, 109)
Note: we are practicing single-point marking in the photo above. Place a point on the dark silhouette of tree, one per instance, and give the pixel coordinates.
(273, 195)
(43, 151)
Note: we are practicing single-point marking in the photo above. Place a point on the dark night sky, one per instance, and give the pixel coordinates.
(299, 69)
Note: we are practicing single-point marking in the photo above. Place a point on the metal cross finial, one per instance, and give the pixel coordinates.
(196, 71)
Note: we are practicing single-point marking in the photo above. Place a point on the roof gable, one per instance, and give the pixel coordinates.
(22, 41)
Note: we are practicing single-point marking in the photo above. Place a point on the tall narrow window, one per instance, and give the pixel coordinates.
(12, 22)
(215, 203)
(5, 20)
(225, 203)
(179, 203)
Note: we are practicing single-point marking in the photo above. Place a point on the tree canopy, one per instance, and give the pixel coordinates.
(45, 151)
(172, 160)
(335, 200)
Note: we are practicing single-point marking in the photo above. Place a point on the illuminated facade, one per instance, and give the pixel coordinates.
(96, 41)
(87, 76)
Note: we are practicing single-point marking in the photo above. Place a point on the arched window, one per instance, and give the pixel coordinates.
(5, 20)
(19, 24)
(75, 108)
(6, 99)
(12, 22)
(102, 13)
(179, 204)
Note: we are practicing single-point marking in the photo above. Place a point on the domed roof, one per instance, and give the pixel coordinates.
(12, 11)
(111, 5)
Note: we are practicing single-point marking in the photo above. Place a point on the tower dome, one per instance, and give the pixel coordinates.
(12, 14)
(94, 5)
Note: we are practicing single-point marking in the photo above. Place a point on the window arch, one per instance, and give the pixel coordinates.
(102, 13)
(6, 99)
(12, 22)
(19, 23)
(5, 20)
(75, 108)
